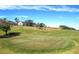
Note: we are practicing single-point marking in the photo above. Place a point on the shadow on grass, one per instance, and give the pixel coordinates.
(9, 35)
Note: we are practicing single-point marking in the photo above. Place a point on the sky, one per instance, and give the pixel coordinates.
(51, 15)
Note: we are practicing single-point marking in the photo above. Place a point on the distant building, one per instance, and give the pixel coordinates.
(20, 23)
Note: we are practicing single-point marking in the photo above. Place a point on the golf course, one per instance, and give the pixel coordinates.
(30, 40)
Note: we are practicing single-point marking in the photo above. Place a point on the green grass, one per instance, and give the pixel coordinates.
(33, 41)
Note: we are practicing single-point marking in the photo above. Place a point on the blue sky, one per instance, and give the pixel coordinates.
(51, 15)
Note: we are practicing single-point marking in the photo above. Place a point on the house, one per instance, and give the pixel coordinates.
(20, 23)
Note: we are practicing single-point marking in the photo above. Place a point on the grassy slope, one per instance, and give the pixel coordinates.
(32, 40)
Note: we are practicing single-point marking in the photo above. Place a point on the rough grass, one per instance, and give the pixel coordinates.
(32, 40)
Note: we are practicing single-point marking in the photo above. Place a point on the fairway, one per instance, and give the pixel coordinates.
(31, 40)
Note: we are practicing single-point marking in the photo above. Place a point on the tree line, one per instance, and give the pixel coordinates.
(66, 27)
(5, 25)
(27, 23)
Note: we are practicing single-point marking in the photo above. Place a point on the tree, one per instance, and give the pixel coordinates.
(11, 23)
(5, 26)
(17, 20)
(41, 25)
(33, 24)
(29, 23)
(4, 19)
(66, 27)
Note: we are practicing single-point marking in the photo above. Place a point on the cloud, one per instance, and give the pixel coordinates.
(3, 16)
(22, 16)
(60, 17)
(62, 8)
(4, 7)
(18, 16)
(41, 7)
(9, 7)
